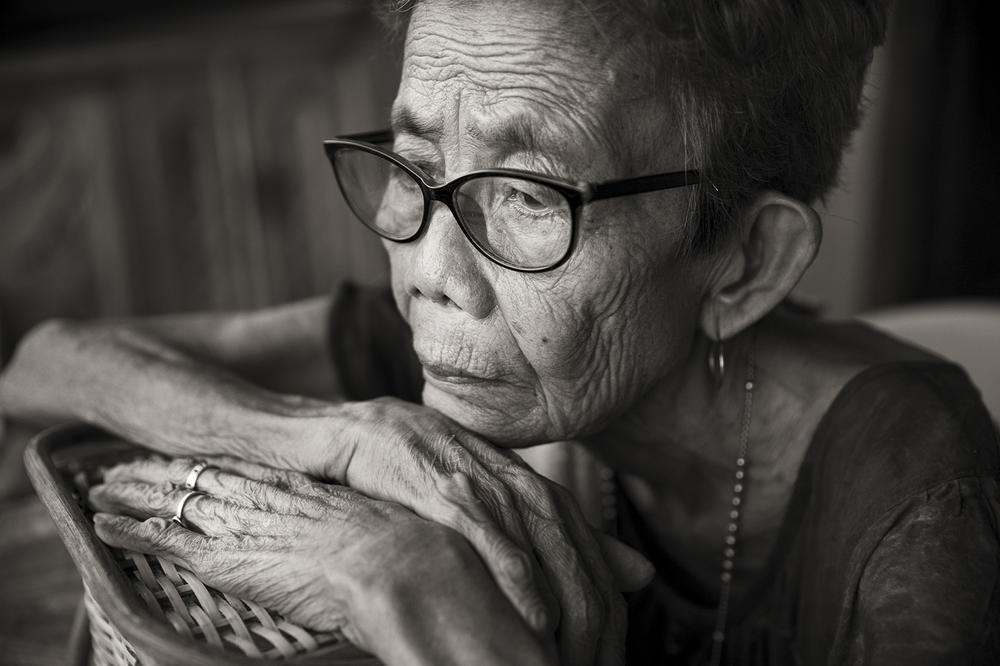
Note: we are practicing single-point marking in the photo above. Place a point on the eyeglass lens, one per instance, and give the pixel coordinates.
(518, 221)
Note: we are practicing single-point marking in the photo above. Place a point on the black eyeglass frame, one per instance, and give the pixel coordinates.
(577, 194)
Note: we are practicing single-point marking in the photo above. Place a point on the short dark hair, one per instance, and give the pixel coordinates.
(768, 91)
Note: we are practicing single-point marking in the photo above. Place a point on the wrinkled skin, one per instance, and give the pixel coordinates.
(420, 458)
(511, 359)
(553, 355)
(325, 556)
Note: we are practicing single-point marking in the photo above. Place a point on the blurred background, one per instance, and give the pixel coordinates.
(165, 156)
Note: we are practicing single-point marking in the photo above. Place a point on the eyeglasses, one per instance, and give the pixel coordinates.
(520, 220)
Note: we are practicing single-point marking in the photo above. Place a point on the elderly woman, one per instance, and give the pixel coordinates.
(594, 215)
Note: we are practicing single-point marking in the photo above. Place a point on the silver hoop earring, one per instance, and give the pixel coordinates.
(717, 356)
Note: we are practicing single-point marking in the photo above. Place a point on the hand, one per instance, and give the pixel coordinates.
(556, 571)
(408, 590)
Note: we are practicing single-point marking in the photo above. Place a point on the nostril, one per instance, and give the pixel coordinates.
(436, 297)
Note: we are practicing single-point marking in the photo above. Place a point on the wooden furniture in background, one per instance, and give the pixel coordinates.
(165, 166)
(178, 166)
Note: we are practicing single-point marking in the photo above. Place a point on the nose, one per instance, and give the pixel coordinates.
(443, 266)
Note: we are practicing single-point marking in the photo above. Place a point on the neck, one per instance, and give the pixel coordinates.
(676, 457)
(675, 452)
(686, 423)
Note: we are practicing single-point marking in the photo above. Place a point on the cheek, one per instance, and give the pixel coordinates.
(597, 339)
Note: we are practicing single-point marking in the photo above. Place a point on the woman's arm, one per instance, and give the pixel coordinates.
(172, 382)
(282, 348)
(150, 383)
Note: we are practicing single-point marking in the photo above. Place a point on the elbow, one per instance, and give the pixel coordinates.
(55, 328)
(44, 338)
(35, 364)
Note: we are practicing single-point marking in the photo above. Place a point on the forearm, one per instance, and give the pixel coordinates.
(130, 383)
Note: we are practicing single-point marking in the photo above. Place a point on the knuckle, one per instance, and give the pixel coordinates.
(502, 497)
(497, 497)
(547, 500)
(258, 494)
(164, 491)
(178, 469)
(218, 511)
(455, 516)
(151, 528)
(456, 488)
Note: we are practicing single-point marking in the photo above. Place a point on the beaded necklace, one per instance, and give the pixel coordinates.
(609, 512)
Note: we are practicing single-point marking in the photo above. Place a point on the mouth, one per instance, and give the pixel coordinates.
(452, 374)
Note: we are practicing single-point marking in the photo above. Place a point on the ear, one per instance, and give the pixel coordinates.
(781, 236)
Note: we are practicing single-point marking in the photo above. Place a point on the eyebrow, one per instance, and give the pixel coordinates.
(511, 135)
(405, 121)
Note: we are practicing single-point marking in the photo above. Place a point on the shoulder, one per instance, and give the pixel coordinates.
(928, 590)
(903, 426)
(903, 517)
(896, 430)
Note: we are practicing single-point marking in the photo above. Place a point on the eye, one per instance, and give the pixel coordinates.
(527, 201)
(401, 180)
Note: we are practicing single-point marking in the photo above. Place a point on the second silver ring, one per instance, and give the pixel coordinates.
(178, 516)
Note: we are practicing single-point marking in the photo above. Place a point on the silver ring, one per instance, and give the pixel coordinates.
(178, 516)
(191, 482)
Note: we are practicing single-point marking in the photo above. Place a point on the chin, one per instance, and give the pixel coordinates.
(486, 411)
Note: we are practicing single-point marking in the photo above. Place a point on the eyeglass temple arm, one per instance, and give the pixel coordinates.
(377, 136)
(661, 181)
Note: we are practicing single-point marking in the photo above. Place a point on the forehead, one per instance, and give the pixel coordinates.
(529, 75)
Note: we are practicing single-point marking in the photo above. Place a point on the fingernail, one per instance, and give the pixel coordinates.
(518, 568)
(539, 620)
(105, 520)
(646, 569)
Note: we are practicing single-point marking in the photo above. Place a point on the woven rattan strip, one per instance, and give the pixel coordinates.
(197, 611)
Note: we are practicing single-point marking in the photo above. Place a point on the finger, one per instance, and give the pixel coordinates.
(268, 497)
(208, 514)
(151, 470)
(581, 605)
(154, 535)
(611, 632)
(496, 493)
(611, 648)
(630, 569)
(282, 478)
(514, 570)
(261, 495)
(592, 625)
(157, 469)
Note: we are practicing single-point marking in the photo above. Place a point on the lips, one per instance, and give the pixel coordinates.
(450, 373)
(454, 353)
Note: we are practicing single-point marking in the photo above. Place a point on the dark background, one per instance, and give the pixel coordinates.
(155, 161)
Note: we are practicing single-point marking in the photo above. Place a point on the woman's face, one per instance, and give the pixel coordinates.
(524, 358)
